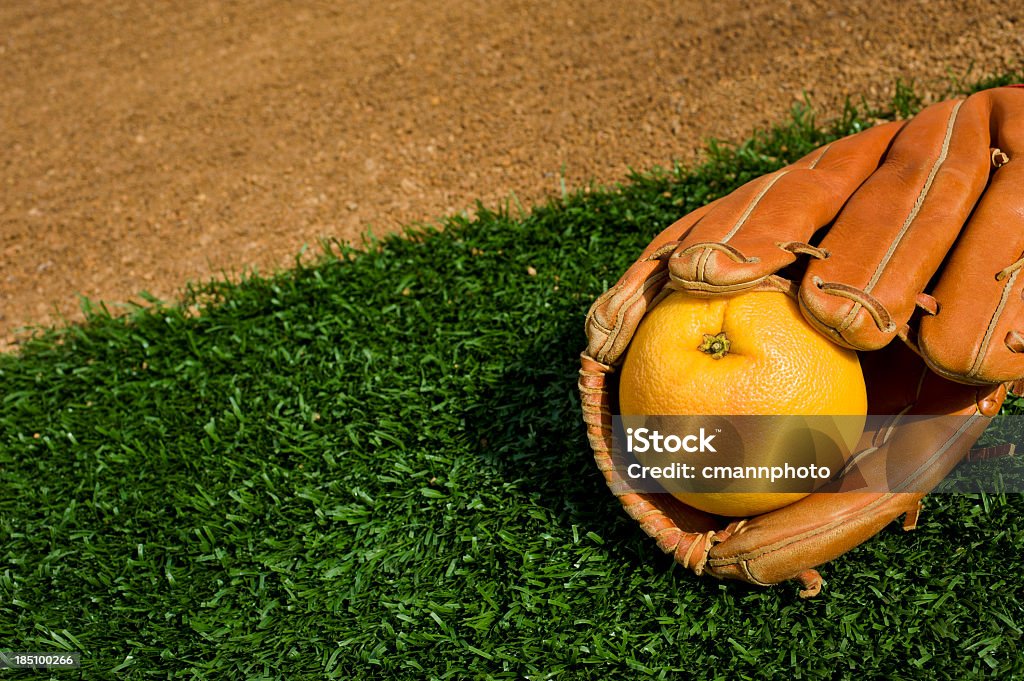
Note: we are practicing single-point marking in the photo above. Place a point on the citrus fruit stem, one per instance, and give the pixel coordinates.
(715, 345)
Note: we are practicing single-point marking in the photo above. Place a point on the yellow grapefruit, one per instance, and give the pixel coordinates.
(748, 354)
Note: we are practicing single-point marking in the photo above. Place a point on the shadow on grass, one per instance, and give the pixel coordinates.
(530, 426)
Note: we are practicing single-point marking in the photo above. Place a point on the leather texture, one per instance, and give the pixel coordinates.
(910, 232)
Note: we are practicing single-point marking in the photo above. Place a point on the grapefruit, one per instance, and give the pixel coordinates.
(748, 354)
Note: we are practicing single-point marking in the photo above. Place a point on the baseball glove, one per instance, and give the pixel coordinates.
(910, 231)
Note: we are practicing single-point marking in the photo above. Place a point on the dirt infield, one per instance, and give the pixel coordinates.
(146, 144)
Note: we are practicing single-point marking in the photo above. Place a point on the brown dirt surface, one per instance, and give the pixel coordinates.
(146, 144)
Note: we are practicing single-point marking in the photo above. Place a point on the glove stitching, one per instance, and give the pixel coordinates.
(692, 285)
(951, 375)
(853, 461)
(754, 203)
(862, 299)
(664, 251)
(601, 301)
(944, 152)
(1009, 269)
(702, 264)
(601, 326)
(815, 162)
(744, 565)
(613, 336)
(804, 248)
(708, 541)
(708, 246)
(987, 339)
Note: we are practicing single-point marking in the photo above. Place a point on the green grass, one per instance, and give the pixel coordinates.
(375, 467)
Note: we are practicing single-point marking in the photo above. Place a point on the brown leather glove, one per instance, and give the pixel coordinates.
(911, 230)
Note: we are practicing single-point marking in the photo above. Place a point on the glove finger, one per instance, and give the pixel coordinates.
(976, 333)
(787, 543)
(762, 226)
(892, 237)
(614, 316)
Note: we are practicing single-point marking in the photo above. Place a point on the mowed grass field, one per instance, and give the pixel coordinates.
(374, 466)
